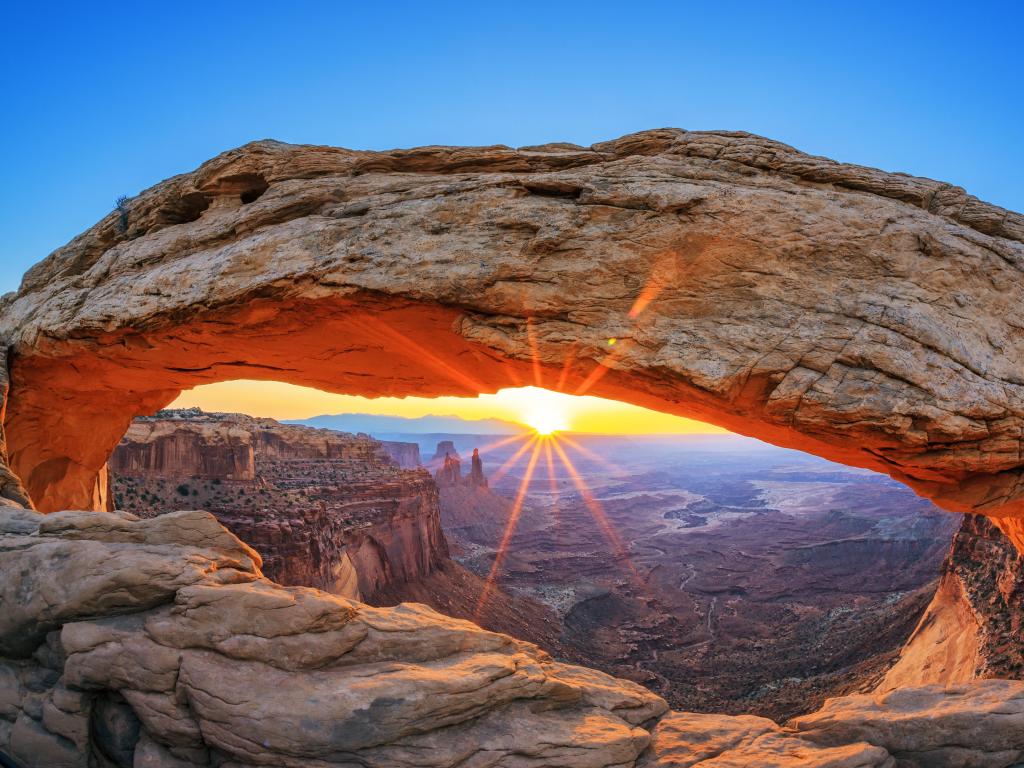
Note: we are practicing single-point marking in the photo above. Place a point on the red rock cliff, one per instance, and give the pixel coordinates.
(324, 509)
(973, 626)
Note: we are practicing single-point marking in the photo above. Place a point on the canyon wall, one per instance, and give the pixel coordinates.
(975, 623)
(324, 509)
(406, 455)
(12, 492)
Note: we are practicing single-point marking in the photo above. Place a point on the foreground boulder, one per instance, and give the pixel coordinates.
(978, 724)
(685, 739)
(158, 643)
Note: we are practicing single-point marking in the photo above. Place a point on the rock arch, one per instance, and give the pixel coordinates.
(868, 317)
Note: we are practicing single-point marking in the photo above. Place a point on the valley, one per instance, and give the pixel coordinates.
(724, 574)
(721, 573)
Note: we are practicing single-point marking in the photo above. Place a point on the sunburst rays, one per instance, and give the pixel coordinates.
(549, 442)
(510, 526)
(553, 451)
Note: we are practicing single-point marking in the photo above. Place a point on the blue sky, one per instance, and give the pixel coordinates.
(107, 100)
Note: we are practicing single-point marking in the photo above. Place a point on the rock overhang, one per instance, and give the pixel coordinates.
(864, 316)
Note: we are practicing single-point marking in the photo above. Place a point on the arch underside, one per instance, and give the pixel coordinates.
(865, 317)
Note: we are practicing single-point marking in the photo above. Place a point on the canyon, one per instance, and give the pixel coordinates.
(702, 608)
(862, 316)
(725, 575)
(324, 509)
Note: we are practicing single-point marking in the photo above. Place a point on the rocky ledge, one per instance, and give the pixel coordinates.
(158, 643)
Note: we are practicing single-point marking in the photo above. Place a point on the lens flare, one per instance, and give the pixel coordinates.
(510, 527)
(545, 422)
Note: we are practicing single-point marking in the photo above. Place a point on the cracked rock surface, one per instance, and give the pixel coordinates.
(167, 627)
(157, 643)
(868, 317)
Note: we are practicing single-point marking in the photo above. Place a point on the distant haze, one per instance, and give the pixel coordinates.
(373, 424)
(506, 409)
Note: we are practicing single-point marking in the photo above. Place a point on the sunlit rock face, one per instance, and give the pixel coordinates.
(157, 642)
(12, 492)
(865, 316)
(974, 624)
(448, 472)
(405, 455)
(324, 509)
(166, 627)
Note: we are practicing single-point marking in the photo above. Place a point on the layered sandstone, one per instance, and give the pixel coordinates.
(864, 316)
(974, 624)
(448, 464)
(324, 509)
(405, 455)
(198, 660)
(157, 643)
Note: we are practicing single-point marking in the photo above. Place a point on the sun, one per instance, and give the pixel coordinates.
(545, 423)
(543, 411)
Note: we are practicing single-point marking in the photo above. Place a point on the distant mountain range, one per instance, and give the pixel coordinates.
(373, 424)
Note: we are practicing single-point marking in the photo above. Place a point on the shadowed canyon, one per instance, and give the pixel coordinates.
(862, 317)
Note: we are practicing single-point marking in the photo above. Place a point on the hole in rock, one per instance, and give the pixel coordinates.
(248, 186)
(186, 208)
(724, 573)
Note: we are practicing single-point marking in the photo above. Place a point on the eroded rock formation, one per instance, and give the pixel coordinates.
(12, 492)
(931, 725)
(406, 455)
(476, 470)
(215, 663)
(157, 643)
(448, 472)
(863, 316)
(324, 509)
(973, 627)
(868, 317)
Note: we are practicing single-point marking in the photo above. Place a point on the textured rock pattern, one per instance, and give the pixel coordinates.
(685, 739)
(192, 443)
(324, 509)
(215, 663)
(868, 317)
(12, 493)
(158, 643)
(448, 468)
(406, 455)
(864, 316)
(978, 724)
(975, 623)
(450, 472)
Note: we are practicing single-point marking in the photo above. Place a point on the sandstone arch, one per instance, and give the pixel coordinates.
(868, 317)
